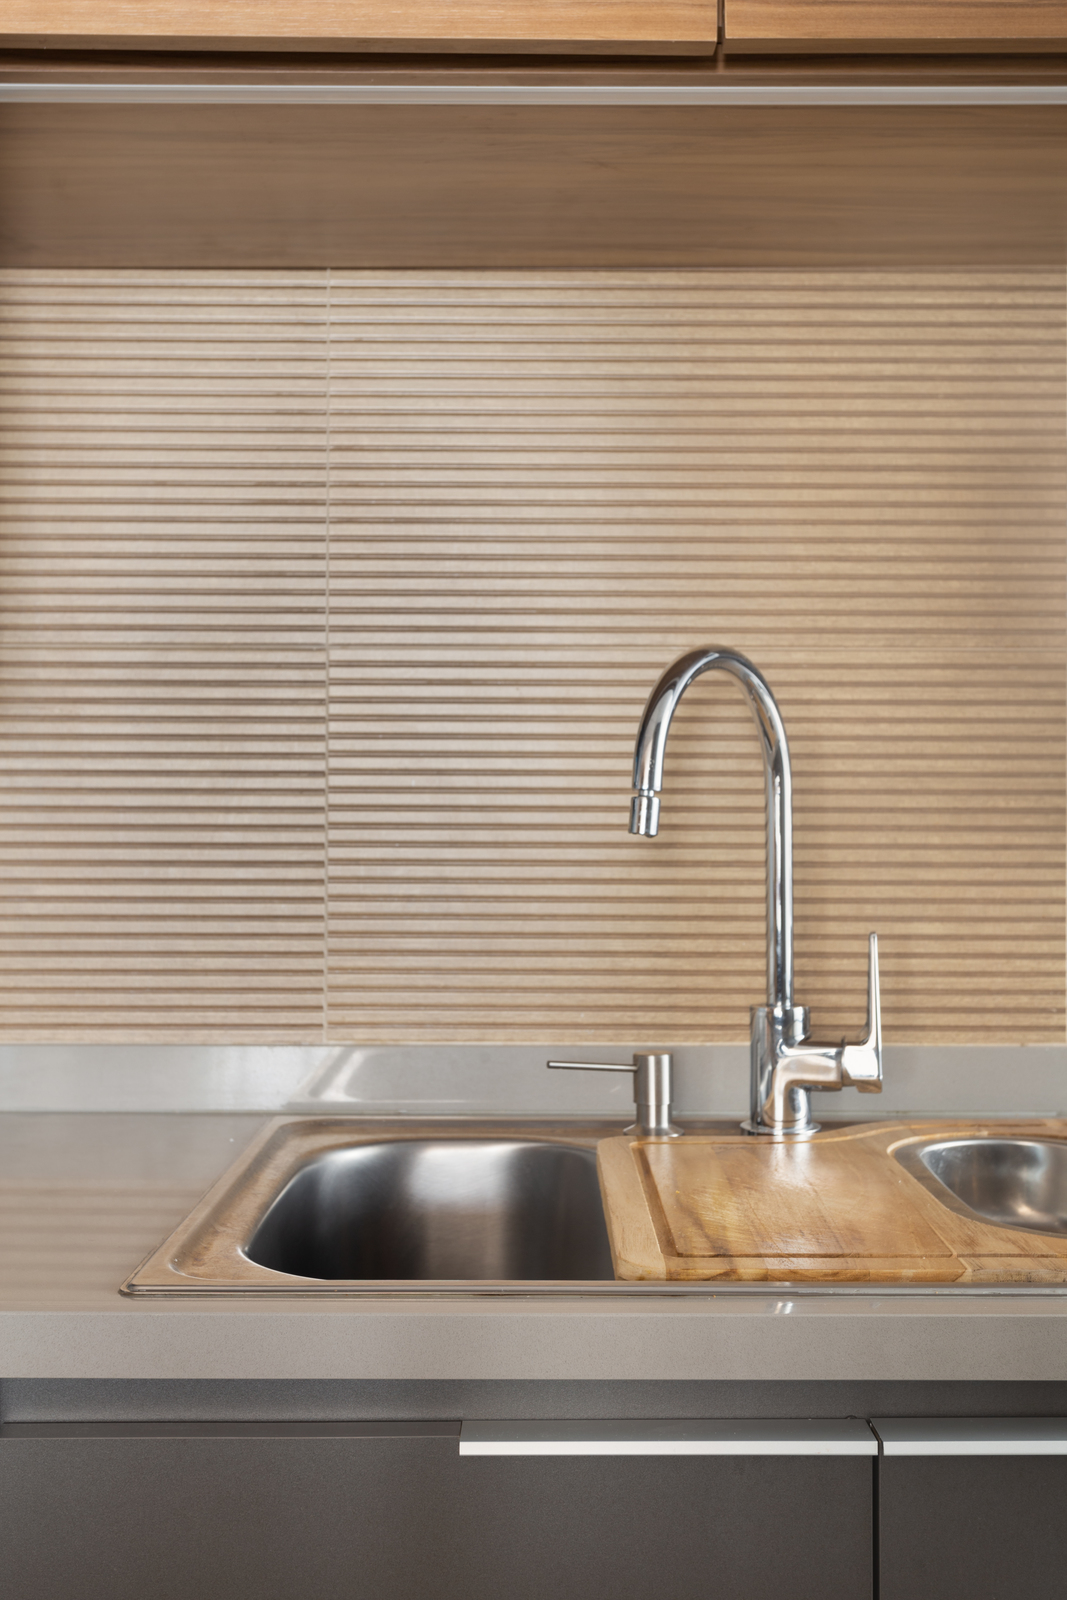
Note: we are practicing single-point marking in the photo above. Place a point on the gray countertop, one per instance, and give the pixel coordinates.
(86, 1196)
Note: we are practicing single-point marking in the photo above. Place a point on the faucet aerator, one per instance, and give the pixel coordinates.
(644, 815)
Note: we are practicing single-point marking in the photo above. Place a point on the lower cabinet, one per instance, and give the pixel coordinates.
(973, 1510)
(973, 1530)
(953, 1508)
(393, 1512)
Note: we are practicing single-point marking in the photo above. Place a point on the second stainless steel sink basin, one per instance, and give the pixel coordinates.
(1016, 1183)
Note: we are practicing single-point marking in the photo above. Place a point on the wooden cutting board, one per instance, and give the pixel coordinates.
(837, 1207)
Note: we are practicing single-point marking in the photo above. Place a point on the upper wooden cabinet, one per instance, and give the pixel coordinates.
(601, 26)
(895, 25)
(606, 27)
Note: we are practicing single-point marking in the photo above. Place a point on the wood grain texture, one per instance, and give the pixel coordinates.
(162, 604)
(514, 188)
(635, 1247)
(760, 1198)
(331, 602)
(836, 1208)
(543, 488)
(899, 24)
(358, 24)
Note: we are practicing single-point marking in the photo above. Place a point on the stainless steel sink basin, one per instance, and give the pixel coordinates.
(451, 1208)
(1016, 1183)
(345, 1205)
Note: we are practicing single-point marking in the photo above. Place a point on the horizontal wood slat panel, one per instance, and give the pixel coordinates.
(162, 648)
(453, 525)
(545, 486)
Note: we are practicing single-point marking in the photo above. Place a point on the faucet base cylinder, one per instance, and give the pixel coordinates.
(804, 1131)
(641, 1130)
(785, 1115)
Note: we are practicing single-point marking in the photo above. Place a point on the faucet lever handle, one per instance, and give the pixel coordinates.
(652, 1090)
(861, 1063)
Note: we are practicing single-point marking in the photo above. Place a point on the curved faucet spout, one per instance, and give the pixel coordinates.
(648, 780)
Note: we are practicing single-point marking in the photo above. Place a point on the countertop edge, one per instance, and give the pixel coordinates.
(770, 1338)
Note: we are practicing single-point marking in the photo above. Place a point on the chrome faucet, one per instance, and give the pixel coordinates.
(785, 1066)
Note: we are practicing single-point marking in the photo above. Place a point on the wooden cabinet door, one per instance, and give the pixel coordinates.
(393, 1512)
(987, 1524)
(894, 25)
(605, 26)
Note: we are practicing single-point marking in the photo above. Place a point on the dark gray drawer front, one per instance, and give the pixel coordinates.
(973, 1528)
(262, 1516)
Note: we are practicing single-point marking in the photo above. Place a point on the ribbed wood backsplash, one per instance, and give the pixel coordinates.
(331, 602)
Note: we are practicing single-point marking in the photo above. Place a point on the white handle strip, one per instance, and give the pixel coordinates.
(972, 1436)
(668, 1438)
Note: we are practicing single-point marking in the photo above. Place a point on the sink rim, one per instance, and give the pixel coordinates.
(909, 1154)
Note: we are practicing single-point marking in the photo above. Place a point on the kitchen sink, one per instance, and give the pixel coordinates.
(1015, 1183)
(439, 1208)
(371, 1206)
(335, 1204)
